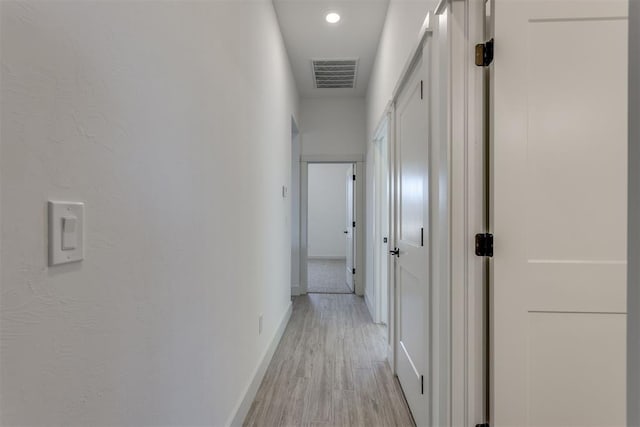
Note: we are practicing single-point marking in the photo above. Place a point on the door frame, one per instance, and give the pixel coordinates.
(380, 284)
(294, 192)
(459, 309)
(359, 248)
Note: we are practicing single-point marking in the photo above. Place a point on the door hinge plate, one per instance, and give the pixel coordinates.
(421, 384)
(353, 271)
(484, 244)
(484, 53)
(483, 425)
(354, 177)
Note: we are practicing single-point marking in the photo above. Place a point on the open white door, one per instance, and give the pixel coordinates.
(559, 213)
(411, 236)
(349, 227)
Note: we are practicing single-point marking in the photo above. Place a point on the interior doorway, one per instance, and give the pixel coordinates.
(381, 225)
(330, 228)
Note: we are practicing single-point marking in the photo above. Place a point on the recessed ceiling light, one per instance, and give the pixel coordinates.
(332, 18)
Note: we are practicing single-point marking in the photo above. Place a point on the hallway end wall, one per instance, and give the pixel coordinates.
(633, 298)
(327, 211)
(172, 122)
(333, 127)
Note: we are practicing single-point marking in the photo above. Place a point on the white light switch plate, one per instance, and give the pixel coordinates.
(66, 232)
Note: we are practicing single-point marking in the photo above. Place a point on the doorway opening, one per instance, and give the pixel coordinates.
(331, 228)
(294, 186)
(381, 204)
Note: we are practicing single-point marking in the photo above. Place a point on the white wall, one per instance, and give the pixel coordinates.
(333, 126)
(171, 121)
(633, 298)
(399, 36)
(327, 210)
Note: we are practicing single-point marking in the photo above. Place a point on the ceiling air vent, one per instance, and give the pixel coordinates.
(335, 73)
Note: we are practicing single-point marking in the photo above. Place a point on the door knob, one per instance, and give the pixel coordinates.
(395, 252)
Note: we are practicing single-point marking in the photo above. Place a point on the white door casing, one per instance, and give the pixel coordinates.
(381, 207)
(411, 266)
(349, 227)
(559, 92)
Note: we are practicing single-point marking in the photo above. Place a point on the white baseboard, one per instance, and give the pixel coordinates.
(327, 258)
(243, 406)
(370, 307)
(392, 364)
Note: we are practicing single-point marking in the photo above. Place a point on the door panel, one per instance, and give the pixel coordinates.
(411, 265)
(349, 227)
(559, 218)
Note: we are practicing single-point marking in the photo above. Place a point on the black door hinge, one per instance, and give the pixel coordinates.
(354, 224)
(421, 236)
(421, 89)
(354, 177)
(484, 244)
(353, 271)
(484, 53)
(483, 425)
(421, 384)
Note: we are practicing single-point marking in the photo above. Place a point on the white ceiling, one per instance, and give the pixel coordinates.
(308, 36)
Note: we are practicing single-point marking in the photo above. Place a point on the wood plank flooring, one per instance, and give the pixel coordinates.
(330, 369)
(327, 276)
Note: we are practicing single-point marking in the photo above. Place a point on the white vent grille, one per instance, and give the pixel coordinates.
(335, 73)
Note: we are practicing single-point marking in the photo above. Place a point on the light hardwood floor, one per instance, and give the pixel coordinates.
(329, 369)
(327, 276)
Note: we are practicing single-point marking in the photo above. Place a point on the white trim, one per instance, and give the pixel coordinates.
(331, 158)
(393, 300)
(416, 54)
(468, 321)
(326, 258)
(294, 197)
(441, 7)
(369, 304)
(359, 218)
(304, 226)
(633, 272)
(380, 285)
(244, 404)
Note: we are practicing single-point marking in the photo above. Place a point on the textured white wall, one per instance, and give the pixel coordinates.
(333, 126)
(171, 121)
(327, 210)
(633, 298)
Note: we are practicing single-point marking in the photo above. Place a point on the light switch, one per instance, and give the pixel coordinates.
(69, 233)
(66, 229)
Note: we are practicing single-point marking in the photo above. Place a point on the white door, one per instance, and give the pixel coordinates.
(411, 262)
(349, 227)
(559, 213)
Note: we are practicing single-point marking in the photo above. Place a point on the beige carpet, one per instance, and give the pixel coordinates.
(327, 276)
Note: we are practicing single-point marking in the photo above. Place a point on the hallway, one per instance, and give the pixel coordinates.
(327, 276)
(329, 369)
